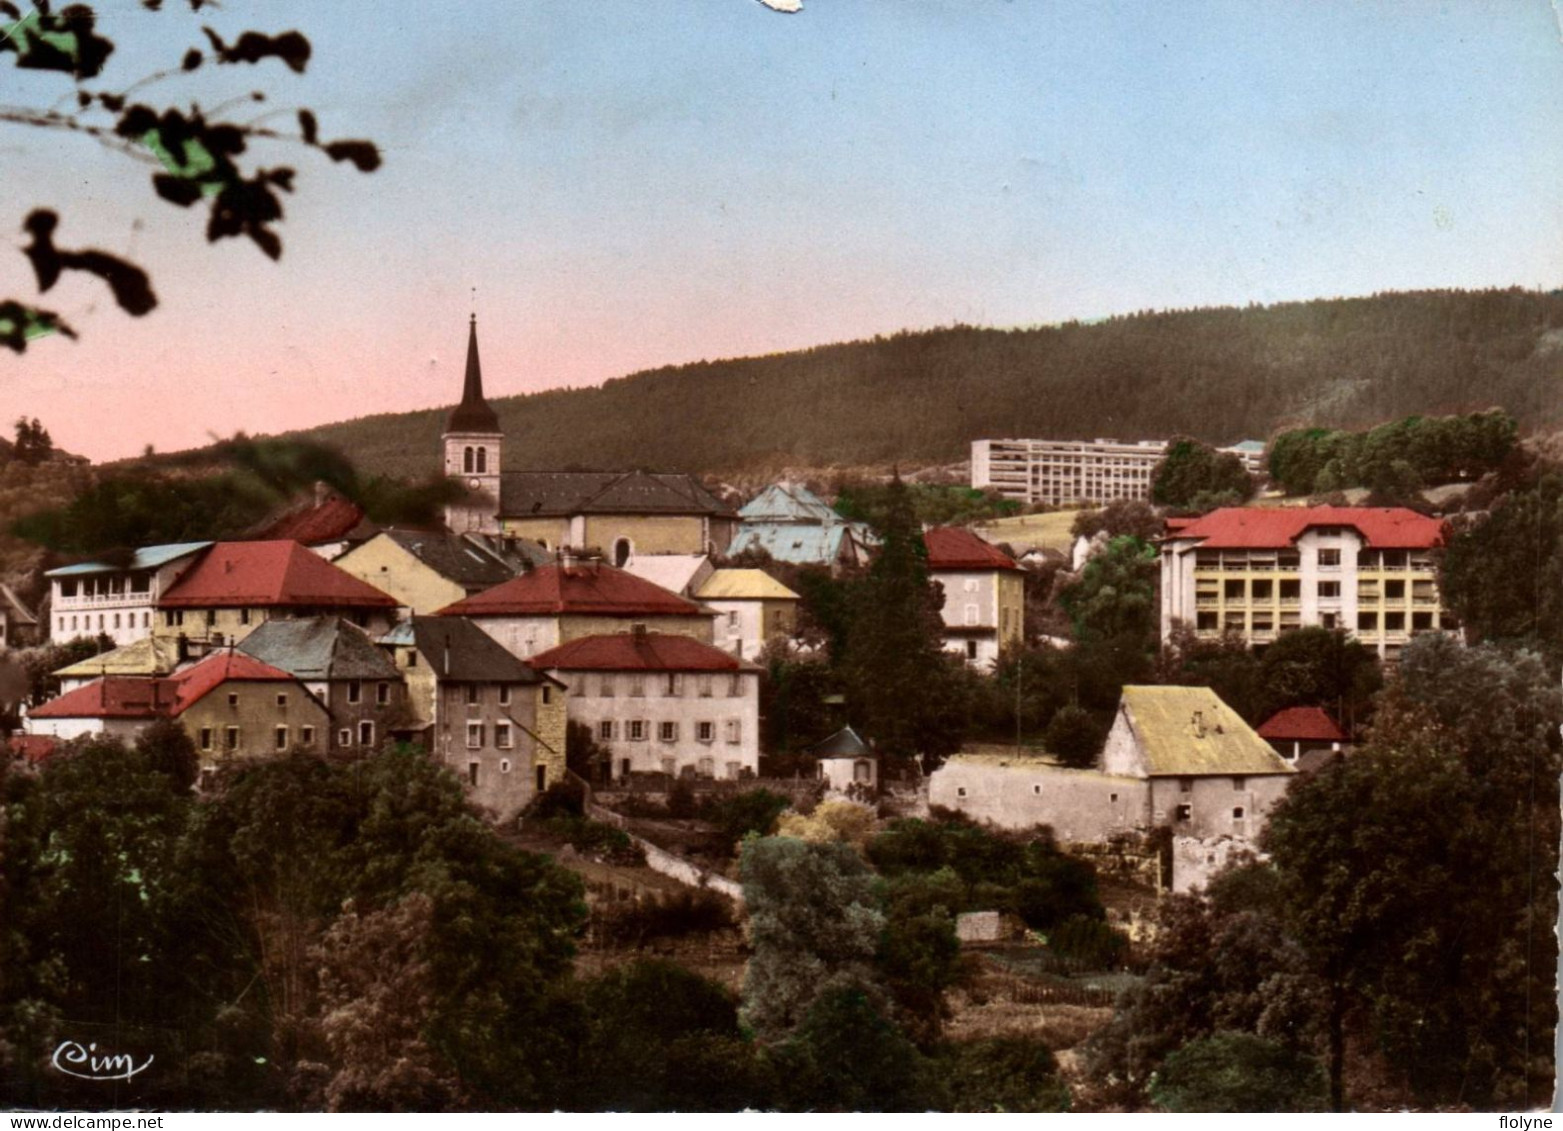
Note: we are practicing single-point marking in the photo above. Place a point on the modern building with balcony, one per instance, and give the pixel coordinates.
(1260, 572)
(1060, 472)
(117, 601)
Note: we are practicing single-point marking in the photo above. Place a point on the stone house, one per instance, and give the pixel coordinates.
(984, 594)
(1020, 790)
(752, 609)
(426, 570)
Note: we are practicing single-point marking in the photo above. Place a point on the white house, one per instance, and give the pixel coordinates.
(752, 608)
(97, 598)
(662, 703)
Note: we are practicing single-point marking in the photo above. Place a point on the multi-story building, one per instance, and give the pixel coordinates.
(117, 601)
(1262, 571)
(1059, 472)
(752, 609)
(662, 704)
(984, 594)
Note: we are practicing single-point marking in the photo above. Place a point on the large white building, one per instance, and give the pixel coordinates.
(661, 703)
(1059, 472)
(117, 601)
(1262, 571)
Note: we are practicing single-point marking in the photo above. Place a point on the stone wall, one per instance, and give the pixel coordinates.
(1020, 793)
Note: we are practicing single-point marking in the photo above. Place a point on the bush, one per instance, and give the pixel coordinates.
(564, 798)
(671, 915)
(1000, 1074)
(753, 811)
(593, 838)
(1088, 941)
(1239, 1072)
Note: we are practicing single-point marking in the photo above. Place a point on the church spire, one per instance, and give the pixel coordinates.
(473, 414)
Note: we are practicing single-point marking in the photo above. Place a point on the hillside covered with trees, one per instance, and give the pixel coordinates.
(1217, 375)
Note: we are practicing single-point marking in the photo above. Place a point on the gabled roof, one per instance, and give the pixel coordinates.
(1301, 724)
(789, 503)
(270, 574)
(845, 743)
(953, 547)
(147, 557)
(319, 648)
(638, 651)
(149, 656)
(524, 494)
(113, 697)
(456, 649)
(1396, 528)
(11, 604)
(473, 414)
(795, 543)
(312, 523)
(592, 589)
(743, 585)
(674, 572)
(1188, 731)
(453, 557)
(194, 683)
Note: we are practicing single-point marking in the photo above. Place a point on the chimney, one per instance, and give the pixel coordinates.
(1199, 724)
(320, 493)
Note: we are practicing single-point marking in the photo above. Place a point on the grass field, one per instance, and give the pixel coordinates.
(1049, 531)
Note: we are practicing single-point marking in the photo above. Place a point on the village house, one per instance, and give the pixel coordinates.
(326, 524)
(792, 524)
(361, 687)
(984, 594)
(231, 704)
(496, 721)
(555, 604)
(426, 570)
(677, 573)
(238, 586)
(662, 703)
(1263, 571)
(18, 626)
(117, 601)
(619, 513)
(152, 657)
(847, 764)
(752, 610)
(1305, 736)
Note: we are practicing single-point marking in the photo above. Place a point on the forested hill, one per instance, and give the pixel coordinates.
(1220, 375)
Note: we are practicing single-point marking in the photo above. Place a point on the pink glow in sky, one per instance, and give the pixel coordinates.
(631, 185)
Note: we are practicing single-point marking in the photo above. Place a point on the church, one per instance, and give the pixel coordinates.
(620, 514)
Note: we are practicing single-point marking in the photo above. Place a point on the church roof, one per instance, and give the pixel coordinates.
(524, 494)
(473, 414)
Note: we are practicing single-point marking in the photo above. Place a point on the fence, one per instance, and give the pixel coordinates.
(1025, 991)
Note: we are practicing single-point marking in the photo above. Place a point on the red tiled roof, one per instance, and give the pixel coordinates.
(32, 748)
(636, 651)
(1236, 528)
(314, 522)
(952, 547)
(112, 697)
(586, 590)
(135, 697)
(1301, 724)
(238, 574)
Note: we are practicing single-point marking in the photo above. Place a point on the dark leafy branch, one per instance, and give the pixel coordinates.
(197, 156)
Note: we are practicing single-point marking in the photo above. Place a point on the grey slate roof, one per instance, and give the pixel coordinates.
(473, 655)
(147, 557)
(562, 493)
(845, 743)
(453, 557)
(319, 648)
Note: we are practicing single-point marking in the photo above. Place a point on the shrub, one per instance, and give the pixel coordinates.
(670, 915)
(594, 838)
(1088, 941)
(753, 811)
(562, 799)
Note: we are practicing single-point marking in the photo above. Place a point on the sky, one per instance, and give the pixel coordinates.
(629, 185)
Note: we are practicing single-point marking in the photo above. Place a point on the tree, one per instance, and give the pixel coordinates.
(1238, 1072)
(33, 443)
(1074, 736)
(1498, 575)
(904, 691)
(1320, 667)
(1115, 597)
(1133, 517)
(1192, 471)
(194, 158)
(1011, 1074)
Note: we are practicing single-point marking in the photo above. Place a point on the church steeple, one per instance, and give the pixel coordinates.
(473, 414)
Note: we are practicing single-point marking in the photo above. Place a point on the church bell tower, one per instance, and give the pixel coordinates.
(473, 445)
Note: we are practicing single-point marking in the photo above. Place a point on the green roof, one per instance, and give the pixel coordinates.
(1188, 731)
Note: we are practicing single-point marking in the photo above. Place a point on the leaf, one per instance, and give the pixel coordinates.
(192, 59)
(131, 287)
(253, 46)
(19, 324)
(362, 154)
(176, 190)
(308, 126)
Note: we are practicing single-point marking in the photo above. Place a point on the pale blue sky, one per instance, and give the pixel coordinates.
(633, 184)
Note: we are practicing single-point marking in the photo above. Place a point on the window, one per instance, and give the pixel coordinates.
(146, 620)
(467, 462)
(1237, 812)
(474, 736)
(706, 767)
(1291, 590)
(960, 791)
(232, 737)
(306, 736)
(605, 686)
(1185, 785)
(1328, 589)
(206, 738)
(1395, 590)
(1421, 622)
(504, 695)
(735, 686)
(504, 765)
(548, 694)
(705, 732)
(1185, 812)
(605, 730)
(621, 552)
(668, 732)
(637, 686)
(472, 773)
(1367, 622)
(1111, 797)
(472, 695)
(971, 649)
(1394, 622)
(366, 733)
(1205, 622)
(1329, 559)
(732, 619)
(673, 685)
(412, 658)
(382, 693)
(637, 730)
(233, 699)
(344, 737)
(244, 616)
(116, 620)
(1037, 789)
(971, 614)
(282, 738)
(1239, 783)
(704, 687)
(734, 730)
(211, 618)
(282, 699)
(482, 460)
(502, 736)
(1233, 590)
(1262, 588)
(355, 691)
